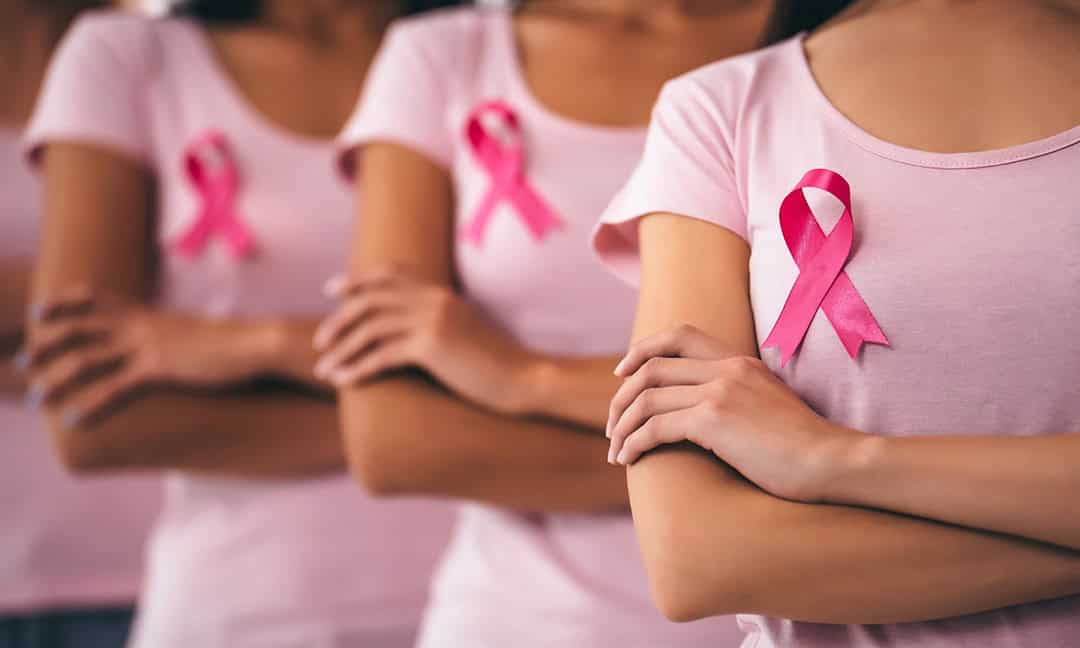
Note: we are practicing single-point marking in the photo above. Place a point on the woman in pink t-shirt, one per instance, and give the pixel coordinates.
(192, 216)
(477, 335)
(70, 548)
(899, 240)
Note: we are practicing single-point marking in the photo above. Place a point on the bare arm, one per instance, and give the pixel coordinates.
(97, 234)
(1027, 486)
(404, 435)
(14, 286)
(715, 544)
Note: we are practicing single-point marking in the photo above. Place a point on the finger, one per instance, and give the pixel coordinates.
(672, 427)
(341, 286)
(683, 341)
(353, 311)
(652, 402)
(51, 338)
(387, 357)
(78, 299)
(97, 400)
(658, 372)
(370, 333)
(77, 368)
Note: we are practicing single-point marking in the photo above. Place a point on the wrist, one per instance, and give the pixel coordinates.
(851, 460)
(530, 385)
(256, 345)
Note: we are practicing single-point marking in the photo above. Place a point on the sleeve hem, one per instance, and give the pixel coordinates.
(33, 146)
(349, 148)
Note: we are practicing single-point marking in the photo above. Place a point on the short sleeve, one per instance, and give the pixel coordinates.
(686, 169)
(93, 89)
(405, 97)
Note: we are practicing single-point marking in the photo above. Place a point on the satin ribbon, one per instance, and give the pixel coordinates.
(505, 165)
(212, 170)
(822, 282)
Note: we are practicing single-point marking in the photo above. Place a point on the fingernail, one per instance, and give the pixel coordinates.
(621, 459)
(619, 367)
(37, 311)
(34, 395)
(71, 417)
(334, 285)
(21, 361)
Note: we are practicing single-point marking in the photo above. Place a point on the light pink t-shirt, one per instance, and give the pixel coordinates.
(238, 563)
(968, 262)
(64, 542)
(514, 579)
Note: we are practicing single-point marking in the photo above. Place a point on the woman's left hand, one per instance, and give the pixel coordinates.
(733, 406)
(388, 320)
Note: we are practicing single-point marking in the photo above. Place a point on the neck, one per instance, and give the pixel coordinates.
(648, 12)
(328, 22)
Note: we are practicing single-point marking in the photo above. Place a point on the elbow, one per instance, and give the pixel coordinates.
(376, 448)
(705, 577)
(80, 453)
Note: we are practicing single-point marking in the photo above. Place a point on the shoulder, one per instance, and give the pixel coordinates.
(728, 91)
(448, 38)
(126, 41)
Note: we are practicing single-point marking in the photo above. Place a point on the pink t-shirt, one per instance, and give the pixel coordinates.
(513, 579)
(967, 261)
(237, 563)
(64, 542)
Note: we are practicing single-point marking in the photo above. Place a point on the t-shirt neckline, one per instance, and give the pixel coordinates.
(916, 157)
(505, 40)
(242, 104)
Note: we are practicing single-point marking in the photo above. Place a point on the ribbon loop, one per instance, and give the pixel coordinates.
(822, 282)
(212, 170)
(503, 158)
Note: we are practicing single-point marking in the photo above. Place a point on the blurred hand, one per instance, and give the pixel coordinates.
(681, 385)
(87, 351)
(388, 320)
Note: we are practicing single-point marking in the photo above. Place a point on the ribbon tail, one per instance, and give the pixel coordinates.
(192, 242)
(238, 238)
(477, 227)
(538, 216)
(851, 317)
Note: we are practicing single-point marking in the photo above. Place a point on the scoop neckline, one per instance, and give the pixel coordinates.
(241, 103)
(917, 157)
(507, 41)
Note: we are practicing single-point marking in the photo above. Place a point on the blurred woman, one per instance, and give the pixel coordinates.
(897, 238)
(70, 549)
(476, 337)
(192, 216)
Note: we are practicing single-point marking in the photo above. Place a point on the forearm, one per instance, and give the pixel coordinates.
(576, 390)
(14, 293)
(1025, 486)
(406, 436)
(265, 434)
(290, 354)
(715, 544)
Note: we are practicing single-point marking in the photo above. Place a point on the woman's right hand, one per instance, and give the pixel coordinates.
(88, 351)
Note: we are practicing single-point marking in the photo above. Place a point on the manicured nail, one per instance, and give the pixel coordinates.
(21, 361)
(35, 394)
(621, 459)
(334, 286)
(619, 367)
(37, 311)
(71, 417)
(322, 368)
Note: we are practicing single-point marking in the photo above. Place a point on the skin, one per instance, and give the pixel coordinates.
(125, 384)
(28, 33)
(952, 525)
(473, 413)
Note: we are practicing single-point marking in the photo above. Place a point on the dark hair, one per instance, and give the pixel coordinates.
(791, 17)
(241, 11)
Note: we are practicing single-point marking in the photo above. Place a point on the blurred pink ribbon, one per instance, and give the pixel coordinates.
(504, 162)
(212, 170)
(822, 282)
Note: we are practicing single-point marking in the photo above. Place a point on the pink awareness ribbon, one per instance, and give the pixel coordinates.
(822, 282)
(212, 170)
(505, 165)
